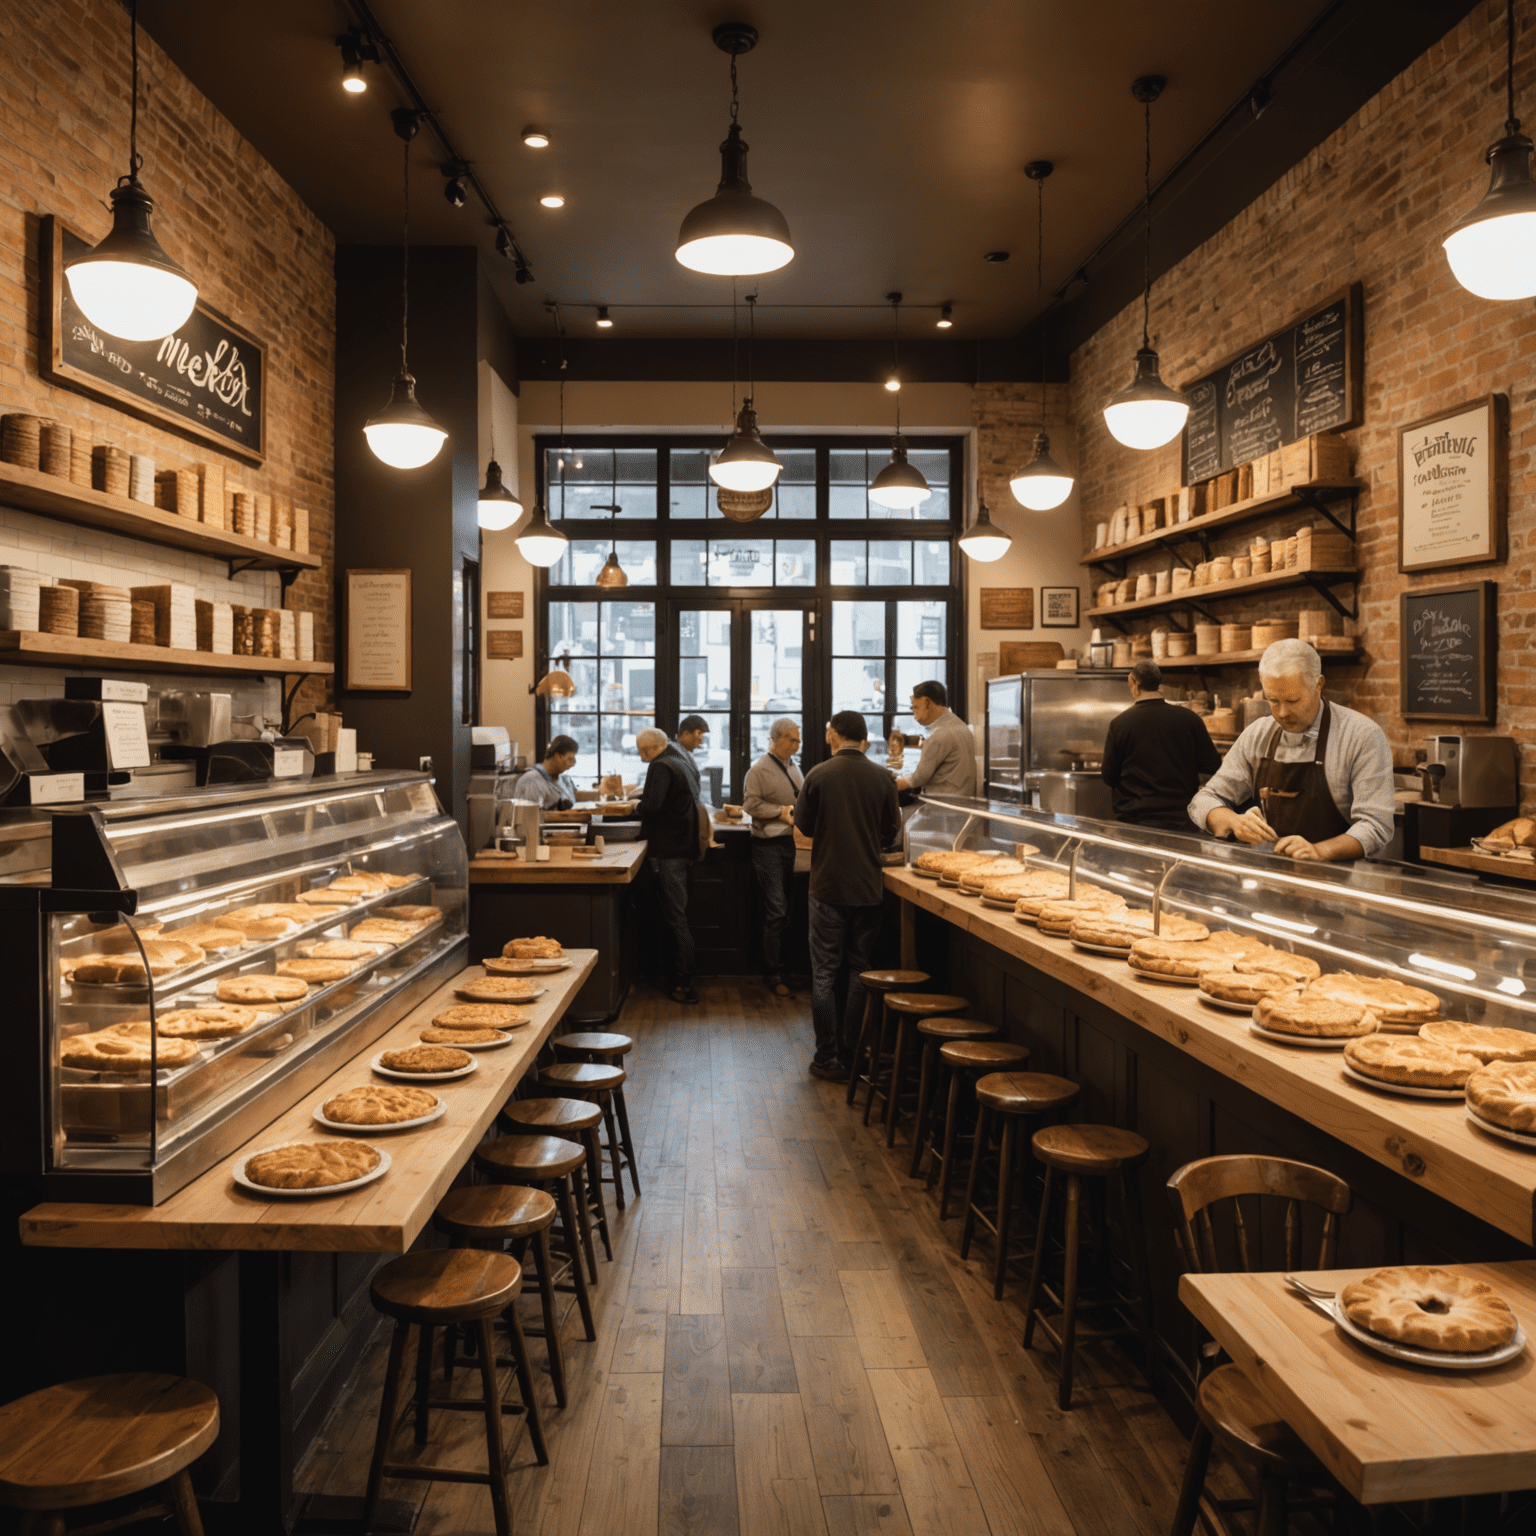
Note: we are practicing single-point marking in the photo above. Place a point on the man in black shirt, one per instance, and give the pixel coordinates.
(846, 813)
(669, 822)
(1154, 755)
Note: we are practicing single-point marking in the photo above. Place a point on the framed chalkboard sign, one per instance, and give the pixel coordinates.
(1447, 639)
(207, 381)
(1297, 381)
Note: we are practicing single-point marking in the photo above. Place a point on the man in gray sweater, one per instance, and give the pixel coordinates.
(768, 800)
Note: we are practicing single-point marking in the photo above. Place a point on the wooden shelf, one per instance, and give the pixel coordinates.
(1238, 512)
(1271, 581)
(30, 648)
(1248, 658)
(34, 491)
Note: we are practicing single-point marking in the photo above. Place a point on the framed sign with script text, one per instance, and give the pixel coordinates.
(1007, 607)
(1058, 608)
(378, 631)
(1453, 487)
(207, 381)
(1447, 638)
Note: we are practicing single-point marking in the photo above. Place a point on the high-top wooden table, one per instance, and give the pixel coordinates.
(1388, 1432)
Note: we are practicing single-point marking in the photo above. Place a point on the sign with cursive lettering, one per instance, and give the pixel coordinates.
(378, 630)
(206, 381)
(1452, 486)
(1446, 643)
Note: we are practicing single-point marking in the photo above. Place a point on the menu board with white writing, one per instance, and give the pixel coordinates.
(378, 630)
(1446, 643)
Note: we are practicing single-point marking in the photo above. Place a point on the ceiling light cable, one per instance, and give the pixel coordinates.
(541, 543)
(900, 485)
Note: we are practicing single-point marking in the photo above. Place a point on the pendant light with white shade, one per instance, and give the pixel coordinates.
(127, 285)
(498, 508)
(1147, 413)
(1042, 483)
(746, 463)
(1492, 249)
(539, 542)
(402, 434)
(984, 541)
(899, 485)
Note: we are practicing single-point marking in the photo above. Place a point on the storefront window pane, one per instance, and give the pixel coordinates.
(848, 481)
(590, 482)
(890, 563)
(573, 629)
(794, 562)
(934, 464)
(741, 562)
(584, 558)
(794, 495)
(848, 564)
(920, 628)
(858, 685)
(858, 629)
(930, 563)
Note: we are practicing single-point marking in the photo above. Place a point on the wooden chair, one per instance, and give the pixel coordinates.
(578, 1120)
(1229, 1410)
(608, 1048)
(966, 1061)
(909, 1008)
(872, 1027)
(933, 1033)
(103, 1438)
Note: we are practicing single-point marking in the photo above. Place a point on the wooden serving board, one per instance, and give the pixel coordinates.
(1483, 863)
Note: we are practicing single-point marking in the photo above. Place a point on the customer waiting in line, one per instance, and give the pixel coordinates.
(846, 814)
(691, 732)
(947, 764)
(669, 822)
(1155, 754)
(549, 784)
(768, 800)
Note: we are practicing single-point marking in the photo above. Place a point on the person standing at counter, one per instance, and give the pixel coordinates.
(691, 732)
(947, 765)
(771, 788)
(1316, 778)
(846, 814)
(549, 784)
(669, 822)
(1155, 754)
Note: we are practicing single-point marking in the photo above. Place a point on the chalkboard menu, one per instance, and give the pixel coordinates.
(1447, 640)
(1298, 381)
(207, 381)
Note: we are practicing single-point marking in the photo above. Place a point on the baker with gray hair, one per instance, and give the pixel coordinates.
(768, 800)
(1315, 779)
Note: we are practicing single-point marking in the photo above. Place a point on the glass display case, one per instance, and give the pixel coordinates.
(1472, 944)
(204, 961)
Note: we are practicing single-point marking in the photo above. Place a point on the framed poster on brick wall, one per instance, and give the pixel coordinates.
(1453, 487)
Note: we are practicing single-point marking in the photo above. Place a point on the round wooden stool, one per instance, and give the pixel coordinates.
(577, 1120)
(933, 1033)
(1075, 1152)
(908, 1008)
(597, 1081)
(554, 1165)
(490, 1215)
(871, 1039)
(607, 1047)
(1010, 1097)
(966, 1060)
(431, 1288)
(102, 1438)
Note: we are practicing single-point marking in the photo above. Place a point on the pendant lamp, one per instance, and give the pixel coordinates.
(1042, 483)
(1147, 413)
(746, 463)
(900, 485)
(612, 573)
(127, 286)
(540, 542)
(983, 540)
(402, 434)
(734, 234)
(498, 507)
(1492, 249)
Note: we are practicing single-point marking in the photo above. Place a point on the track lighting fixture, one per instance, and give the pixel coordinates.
(535, 138)
(127, 285)
(983, 541)
(899, 485)
(946, 318)
(734, 234)
(356, 49)
(604, 321)
(456, 188)
(746, 463)
(1147, 413)
(540, 542)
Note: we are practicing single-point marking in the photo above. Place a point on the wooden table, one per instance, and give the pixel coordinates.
(618, 866)
(384, 1217)
(1482, 863)
(1388, 1432)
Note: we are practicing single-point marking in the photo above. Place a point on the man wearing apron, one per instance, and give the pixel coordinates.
(1315, 778)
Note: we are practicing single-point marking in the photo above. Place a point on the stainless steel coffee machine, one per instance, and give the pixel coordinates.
(1474, 772)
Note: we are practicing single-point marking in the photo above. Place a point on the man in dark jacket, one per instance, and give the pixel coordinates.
(846, 814)
(1154, 755)
(669, 822)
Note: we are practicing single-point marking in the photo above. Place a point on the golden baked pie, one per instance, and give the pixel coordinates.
(1033, 882)
(433, 1035)
(338, 949)
(260, 927)
(499, 989)
(379, 1104)
(1484, 1041)
(378, 930)
(108, 1050)
(1279, 962)
(496, 965)
(1121, 929)
(209, 935)
(160, 956)
(1393, 1002)
(425, 1058)
(1317, 1017)
(1187, 957)
(203, 1023)
(312, 1164)
(1504, 1092)
(1232, 986)
(362, 884)
(1410, 1061)
(1030, 905)
(1430, 1308)
(262, 909)
(329, 896)
(538, 948)
(316, 970)
(398, 882)
(118, 939)
(974, 876)
(1058, 915)
(481, 1016)
(949, 861)
(415, 916)
(262, 989)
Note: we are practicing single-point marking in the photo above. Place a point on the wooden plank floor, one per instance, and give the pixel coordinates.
(787, 1342)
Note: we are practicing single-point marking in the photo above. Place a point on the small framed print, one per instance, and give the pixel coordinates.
(1452, 487)
(503, 605)
(1007, 607)
(1058, 607)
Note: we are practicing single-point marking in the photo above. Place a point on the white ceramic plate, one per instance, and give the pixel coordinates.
(511, 1002)
(1172, 981)
(477, 1045)
(302, 1194)
(1316, 1042)
(530, 967)
(423, 1077)
(1406, 1089)
(924, 874)
(1225, 1005)
(1024, 917)
(1119, 952)
(368, 1130)
(1437, 1359)
(1526, 1139)
(998, 906)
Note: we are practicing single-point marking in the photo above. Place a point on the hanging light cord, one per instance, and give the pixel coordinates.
(1511, 123)
(135, 160)
(735, 341)
(405, 265)
(735, 103)
(751, 337)
(1040, 285)
(896, 357)
(1146, 268)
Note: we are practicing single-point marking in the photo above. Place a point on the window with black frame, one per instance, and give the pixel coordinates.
(825, 602)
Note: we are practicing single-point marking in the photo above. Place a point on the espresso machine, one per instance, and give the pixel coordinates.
(1468, 786)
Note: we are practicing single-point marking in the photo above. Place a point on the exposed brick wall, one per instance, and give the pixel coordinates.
(1370, 204)
(257, 252)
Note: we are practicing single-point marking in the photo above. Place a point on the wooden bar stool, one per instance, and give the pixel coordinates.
(597, 1082)
(490, 1215)
(1009, 1097)
(431, 1288)
(607, 1047)
(872, 1026)
(578, 1120)
(967, 1060)
(933, 1033)
(1073, 1153)
(102, 1438)
(908, 1008)
(554, 1165)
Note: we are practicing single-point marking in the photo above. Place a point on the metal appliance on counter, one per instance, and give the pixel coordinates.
(65, 749)
(1468, 785)
(1044, 730)
(492, 774)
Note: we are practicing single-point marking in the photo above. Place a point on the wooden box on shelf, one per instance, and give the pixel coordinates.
(1322, 549)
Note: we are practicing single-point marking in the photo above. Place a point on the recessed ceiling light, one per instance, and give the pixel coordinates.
(995, 256)
(893, 384)
(604, 320)
(535, 138)
(946, 318)
(554, 200)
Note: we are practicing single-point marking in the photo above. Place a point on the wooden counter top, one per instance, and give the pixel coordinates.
(383, 1217)
(1426, 1140)
(1482, 863)
(619, 865)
